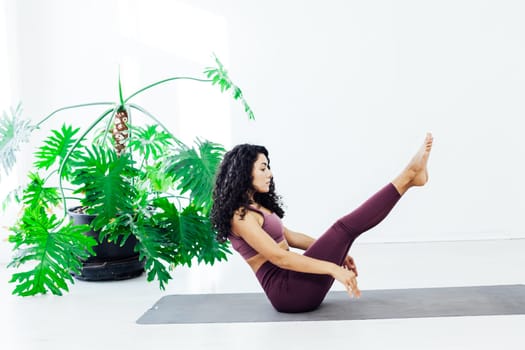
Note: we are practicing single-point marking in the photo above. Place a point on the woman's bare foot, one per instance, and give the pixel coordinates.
(415, 174)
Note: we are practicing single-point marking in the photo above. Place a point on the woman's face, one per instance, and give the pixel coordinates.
(261, 174)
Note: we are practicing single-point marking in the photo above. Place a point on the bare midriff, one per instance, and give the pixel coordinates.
(256, 261)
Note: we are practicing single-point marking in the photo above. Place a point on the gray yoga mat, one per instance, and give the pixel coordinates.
(373, 304)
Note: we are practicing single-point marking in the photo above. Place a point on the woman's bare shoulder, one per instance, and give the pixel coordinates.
(243, 215)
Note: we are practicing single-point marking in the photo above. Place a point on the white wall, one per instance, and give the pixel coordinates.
(343, 92)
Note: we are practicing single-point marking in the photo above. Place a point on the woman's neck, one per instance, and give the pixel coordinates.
(251, 194)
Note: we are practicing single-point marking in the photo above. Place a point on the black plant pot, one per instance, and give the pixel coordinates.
(111, 262)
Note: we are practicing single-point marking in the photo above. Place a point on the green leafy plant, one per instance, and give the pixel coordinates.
(136, 179)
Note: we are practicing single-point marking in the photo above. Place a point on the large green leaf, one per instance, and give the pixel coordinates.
(55, 149)
(13, 132)
(173, 238)
(37, 195)
(168, 219)
(155, 247)
(195, 169)
(197, 237)
(154, 243)
(219, 75)
(56, 251)
(105, 179)
(149, 142)
(190, 233)
(158, 180)
(212, 250)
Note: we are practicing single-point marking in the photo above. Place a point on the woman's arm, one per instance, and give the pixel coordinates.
(250, 230)
(302, 241)
(298, 240)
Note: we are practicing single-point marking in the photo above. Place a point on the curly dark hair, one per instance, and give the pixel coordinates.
(232, 186)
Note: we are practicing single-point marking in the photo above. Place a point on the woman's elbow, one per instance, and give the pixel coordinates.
(281, 259)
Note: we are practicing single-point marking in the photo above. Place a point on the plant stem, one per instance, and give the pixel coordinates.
(72, 107)
(49, 175)
(162, 82)
(77, 198)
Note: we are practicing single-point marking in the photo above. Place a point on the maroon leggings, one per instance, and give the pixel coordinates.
(291, 291)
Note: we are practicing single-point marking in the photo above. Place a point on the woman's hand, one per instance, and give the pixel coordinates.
(349, 263)
(348, 279)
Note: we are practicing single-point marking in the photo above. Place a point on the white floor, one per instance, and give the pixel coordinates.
(103, 315)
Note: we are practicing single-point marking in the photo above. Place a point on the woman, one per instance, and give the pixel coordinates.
(247, 211)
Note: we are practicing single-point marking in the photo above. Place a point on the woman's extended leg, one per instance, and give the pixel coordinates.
(298, 291)
(302, 291)
(335, 243)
